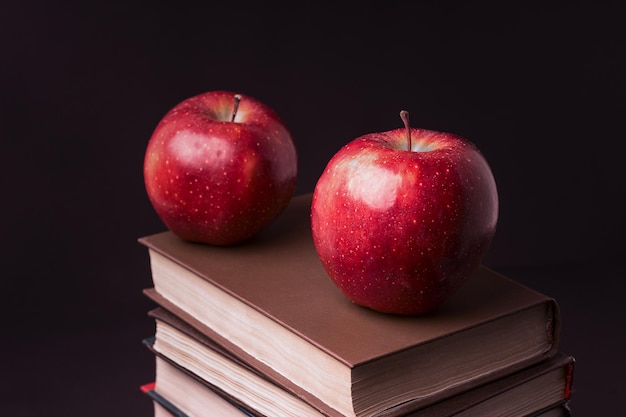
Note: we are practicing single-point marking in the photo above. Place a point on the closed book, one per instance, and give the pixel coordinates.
(197, 375)
(271, 302)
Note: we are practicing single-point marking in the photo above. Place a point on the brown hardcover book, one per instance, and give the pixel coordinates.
(270, 301)
(192, 369)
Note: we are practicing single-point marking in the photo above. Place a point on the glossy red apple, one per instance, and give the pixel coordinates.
(400, 219)
(219, 167)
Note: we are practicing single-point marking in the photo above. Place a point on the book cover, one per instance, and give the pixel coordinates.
(530, 391)
(271, 301)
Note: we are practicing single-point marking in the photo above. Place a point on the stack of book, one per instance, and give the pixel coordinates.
(259, 329)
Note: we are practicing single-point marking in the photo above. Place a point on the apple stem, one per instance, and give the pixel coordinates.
(235, 107)
(404, 115)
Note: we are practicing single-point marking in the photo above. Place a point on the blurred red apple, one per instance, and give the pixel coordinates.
(401, 219)
(219, 167)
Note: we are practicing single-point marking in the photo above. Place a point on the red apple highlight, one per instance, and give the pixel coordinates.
(219, 167)
(400, 219)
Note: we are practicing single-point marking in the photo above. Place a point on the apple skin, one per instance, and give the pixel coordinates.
(214, 180)
(398, 231)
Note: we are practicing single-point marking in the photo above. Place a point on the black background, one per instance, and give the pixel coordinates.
(538, 86)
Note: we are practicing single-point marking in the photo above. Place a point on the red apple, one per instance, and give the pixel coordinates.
(400, 219)
(219, 167)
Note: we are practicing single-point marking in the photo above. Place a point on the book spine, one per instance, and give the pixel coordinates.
(569, 380)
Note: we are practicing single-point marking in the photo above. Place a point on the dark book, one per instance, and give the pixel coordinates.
(197, 375)
(270, 302)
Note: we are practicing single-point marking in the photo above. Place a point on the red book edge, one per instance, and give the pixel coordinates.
(569, 380)
(146, 388)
